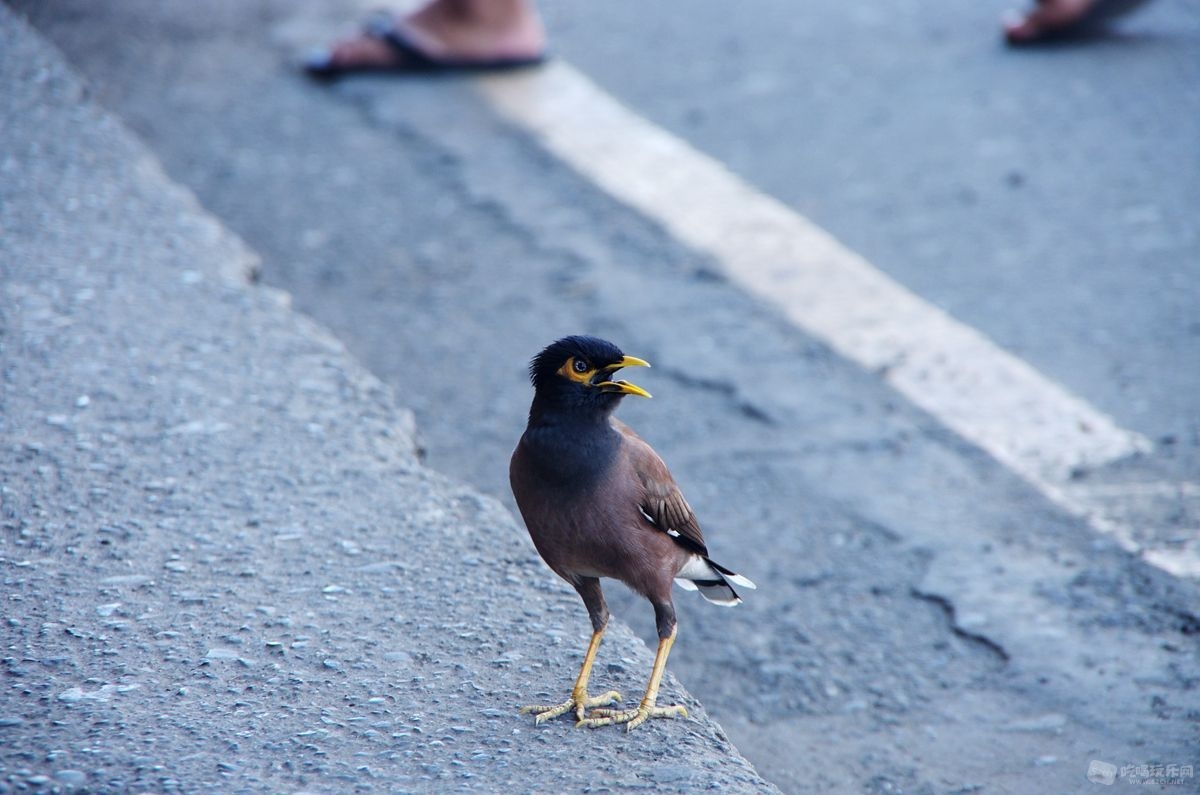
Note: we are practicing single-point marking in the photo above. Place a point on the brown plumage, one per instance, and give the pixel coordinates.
(599, 502)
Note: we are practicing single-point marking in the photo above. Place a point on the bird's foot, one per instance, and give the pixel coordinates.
(632, 718)
(579, 702)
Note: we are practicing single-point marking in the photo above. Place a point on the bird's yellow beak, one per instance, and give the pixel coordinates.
(624, 387)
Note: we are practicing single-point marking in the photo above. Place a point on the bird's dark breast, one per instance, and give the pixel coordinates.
(569, 461)
(564, 493)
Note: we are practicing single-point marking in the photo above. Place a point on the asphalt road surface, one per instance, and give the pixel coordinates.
(224, 568)
(927, 620)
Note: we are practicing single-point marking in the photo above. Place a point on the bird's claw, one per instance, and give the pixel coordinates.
(580, 703)
(632, 718)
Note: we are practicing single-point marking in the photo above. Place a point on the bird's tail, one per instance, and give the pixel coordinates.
(713, 581)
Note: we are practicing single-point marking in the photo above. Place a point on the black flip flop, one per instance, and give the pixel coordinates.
(413, 59)
(1089, 23)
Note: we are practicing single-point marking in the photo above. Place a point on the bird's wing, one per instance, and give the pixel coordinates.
(662, 502)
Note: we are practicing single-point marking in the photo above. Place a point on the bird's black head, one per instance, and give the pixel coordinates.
(576, 374)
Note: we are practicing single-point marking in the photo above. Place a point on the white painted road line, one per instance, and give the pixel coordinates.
(988, 396)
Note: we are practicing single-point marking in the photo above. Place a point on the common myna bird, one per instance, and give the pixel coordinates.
(599, 502)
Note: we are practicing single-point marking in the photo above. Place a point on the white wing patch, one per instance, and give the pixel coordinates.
(650, 519)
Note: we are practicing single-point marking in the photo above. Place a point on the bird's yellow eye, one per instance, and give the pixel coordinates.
(577, 370)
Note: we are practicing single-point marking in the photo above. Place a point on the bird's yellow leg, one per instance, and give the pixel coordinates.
(647, 709)
(579, 700)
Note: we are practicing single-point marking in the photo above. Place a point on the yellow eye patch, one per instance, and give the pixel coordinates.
(577, 370)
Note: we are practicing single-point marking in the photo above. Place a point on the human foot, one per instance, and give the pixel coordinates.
(445, 34)
(1056, 19)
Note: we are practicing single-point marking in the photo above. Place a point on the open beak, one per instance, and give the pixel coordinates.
(624, 387)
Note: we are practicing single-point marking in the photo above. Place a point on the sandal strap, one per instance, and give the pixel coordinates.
(382, 27)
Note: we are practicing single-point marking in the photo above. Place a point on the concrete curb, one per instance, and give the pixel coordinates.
(224, 567)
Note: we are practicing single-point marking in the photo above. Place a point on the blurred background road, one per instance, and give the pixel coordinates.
(927, 619)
